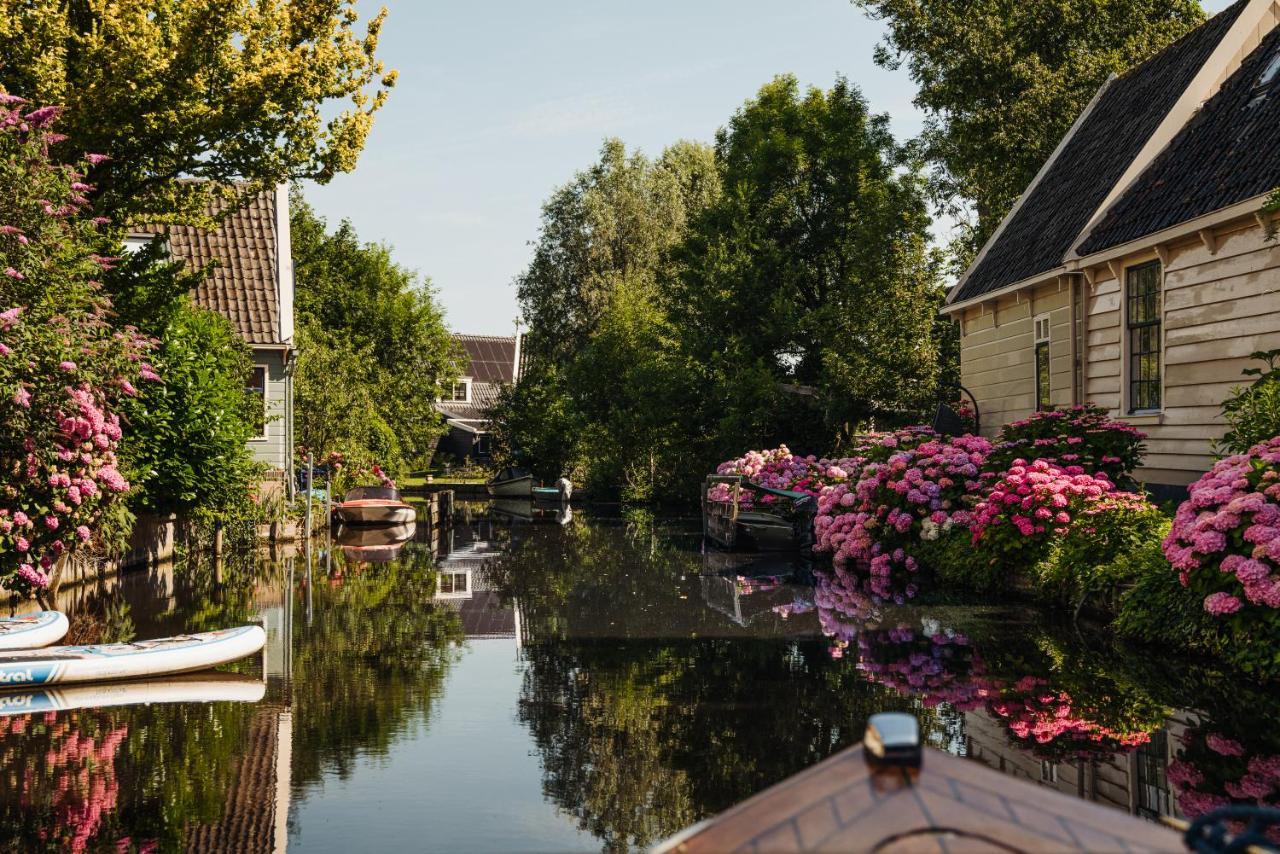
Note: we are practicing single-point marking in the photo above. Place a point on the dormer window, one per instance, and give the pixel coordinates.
(461, 391)
(137, 242)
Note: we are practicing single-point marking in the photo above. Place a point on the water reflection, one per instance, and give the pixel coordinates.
(652, 683)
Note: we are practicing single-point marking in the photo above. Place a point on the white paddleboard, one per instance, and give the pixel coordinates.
(29, 631)
(99, 663)
(193, 688)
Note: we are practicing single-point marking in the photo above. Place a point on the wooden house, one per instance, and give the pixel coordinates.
(492, 361)
(1138, 271)
(250, 283)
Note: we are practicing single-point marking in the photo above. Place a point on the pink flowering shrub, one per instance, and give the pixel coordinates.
(1081, 436)
(913, 498)
(778, 468)
(1225, 540)
(63, 369)
(1031, 506)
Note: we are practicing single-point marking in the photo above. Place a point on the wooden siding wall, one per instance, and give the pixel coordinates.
(1219, 306)
(273, 450)
(997, 354)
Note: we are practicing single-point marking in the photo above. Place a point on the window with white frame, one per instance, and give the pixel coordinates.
(461, 392)
(1144, 336)
(1040, 333)
(137, 242)
(258, 388)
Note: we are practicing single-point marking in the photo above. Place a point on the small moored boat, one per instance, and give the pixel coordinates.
(104, 662)
(31, 631)
(511, 483)
(374, 505)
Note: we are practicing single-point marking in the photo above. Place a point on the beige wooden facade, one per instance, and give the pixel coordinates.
(1220, 303)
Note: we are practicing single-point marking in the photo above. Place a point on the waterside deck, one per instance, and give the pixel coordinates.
(950, 804)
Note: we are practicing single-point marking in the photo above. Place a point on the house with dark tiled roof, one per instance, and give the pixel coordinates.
(492, 361)
(251, 283)
(1138, 270)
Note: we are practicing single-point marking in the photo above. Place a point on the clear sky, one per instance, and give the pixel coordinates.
(499, 102)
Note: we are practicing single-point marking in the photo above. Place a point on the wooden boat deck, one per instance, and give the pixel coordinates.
(948, 805)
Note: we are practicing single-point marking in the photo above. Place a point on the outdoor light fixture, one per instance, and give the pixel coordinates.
(892, 738)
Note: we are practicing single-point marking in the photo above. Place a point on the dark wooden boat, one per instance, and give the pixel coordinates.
(728, 526)
(946, 805)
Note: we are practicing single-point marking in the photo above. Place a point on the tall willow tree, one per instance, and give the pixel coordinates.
(1001, 82)
(806, 293)
(591, 402)
(216, 89)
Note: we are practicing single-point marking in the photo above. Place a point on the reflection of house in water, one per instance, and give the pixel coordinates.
(256, 811)
(464, 584)
(1133, 781)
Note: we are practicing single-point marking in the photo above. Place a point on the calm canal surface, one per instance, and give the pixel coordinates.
(596, 684)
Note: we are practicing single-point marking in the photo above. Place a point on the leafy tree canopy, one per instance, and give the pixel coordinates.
(215, 89)
(811, 277)
(373, 324)
(1001, 82)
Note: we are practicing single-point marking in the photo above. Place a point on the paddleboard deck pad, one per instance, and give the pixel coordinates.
(30, 631)
(136, 660)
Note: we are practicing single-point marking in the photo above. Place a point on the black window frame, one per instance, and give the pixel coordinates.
(1144, 336)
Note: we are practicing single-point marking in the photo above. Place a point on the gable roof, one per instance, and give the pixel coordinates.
(1042, 228)
(243, 285)
(1228, 153)
(492, 357)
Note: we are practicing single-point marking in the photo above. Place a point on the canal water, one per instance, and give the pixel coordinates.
(579, 682)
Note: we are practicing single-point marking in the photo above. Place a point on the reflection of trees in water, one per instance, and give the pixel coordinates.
(645, 723)
(372, 661)
(90, 778)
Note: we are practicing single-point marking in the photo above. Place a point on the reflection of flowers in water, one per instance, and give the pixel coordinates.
(74, 779)
(1048, 722)
(1214, 771)
(843, 607)
(750, 585)
(936, 664)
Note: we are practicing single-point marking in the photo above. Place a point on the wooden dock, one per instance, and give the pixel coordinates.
(948, 805)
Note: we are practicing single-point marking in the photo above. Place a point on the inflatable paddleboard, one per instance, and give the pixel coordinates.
(192, 688)
(32, 630)
(99, 663)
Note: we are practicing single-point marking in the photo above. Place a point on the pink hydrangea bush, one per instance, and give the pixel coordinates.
(1031, 504)
(1083, 436)
(1225, 539)
(913, 498)
(778, 468)
(64, 370)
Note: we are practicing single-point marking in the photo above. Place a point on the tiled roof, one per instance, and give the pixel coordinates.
(483, 396)
(1228, 153)
(1127, 110)
(242, 285)
(492, 357)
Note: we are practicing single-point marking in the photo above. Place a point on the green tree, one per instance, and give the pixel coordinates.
(600, 348)
(187, 447)
(381, 331)
(1001, 82)
(806, 295)
(221, 90)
